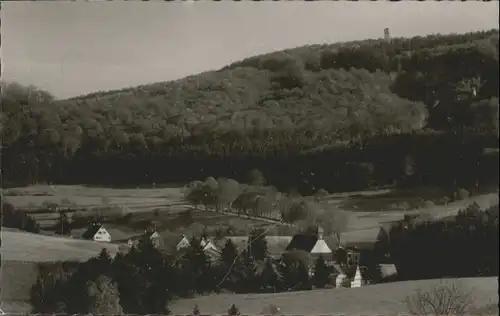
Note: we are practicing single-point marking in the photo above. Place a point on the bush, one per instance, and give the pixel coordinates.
(66, 201)
(104, 297)
(13, 218)
(429, 204)
(233, 311)
(50, 205)
(462, 194)
(445, 299)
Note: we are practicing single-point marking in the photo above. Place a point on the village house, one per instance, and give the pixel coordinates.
(208, 245)
(97, 232)
(345, 260)
(152, 234)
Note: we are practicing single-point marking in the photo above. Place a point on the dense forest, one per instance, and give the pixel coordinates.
(426, 250)
(344, 116)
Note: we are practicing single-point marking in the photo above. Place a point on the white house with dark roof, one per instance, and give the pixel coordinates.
(183, 243)
(153, 235)
(209, 247)
(97, 232)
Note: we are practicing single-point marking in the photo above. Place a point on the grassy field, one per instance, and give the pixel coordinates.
(22, 246)
(22, 251)
(82, 196)
(380, 299)
(367, 209)
(16, 279)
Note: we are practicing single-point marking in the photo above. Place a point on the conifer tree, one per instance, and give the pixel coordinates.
(321, 273)
(257, 245)
(233, 311)
(197, 264)
(104, 297)
(228, 253)
(63, 226)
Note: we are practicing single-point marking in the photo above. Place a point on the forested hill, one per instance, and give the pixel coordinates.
(271, 112)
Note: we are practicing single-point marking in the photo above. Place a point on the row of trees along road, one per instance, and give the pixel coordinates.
(259, 200)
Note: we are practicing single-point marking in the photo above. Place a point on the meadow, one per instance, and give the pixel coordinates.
(23, 246)
(164, 206)
(380, 299)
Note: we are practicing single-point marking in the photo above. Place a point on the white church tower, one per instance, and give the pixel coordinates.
(356, 282)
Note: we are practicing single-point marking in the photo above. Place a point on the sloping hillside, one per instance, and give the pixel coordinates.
(22, 246)
(267, 107)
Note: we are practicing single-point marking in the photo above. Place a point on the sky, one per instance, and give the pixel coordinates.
(74, 48)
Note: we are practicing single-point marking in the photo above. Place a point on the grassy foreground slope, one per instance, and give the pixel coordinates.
(380, 299)
(260, 112)
(22, 246)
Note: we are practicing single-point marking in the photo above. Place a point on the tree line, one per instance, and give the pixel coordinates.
(17, 219)
(465, 245)
(271, 112)
(260, 200)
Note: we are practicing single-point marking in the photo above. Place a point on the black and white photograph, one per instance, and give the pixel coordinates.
(249, 158)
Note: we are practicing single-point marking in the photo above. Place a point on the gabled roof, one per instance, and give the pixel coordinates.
(206, 244)
(184, 242)
(307, 242)
(92, 230)
(321, 247)
(148, 234)
(152, 234)
(209, 246)
(303, 242)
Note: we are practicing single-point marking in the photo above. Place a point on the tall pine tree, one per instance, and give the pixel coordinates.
(63, 226)
(198, 265)
(257, 245)
(321, 273)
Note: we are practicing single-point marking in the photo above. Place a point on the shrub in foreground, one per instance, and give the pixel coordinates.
(445, 299)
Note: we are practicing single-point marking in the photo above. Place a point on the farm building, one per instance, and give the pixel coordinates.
(209, 247)
(97, 232)
(183, 243)
(153, 235)
(348, 276)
